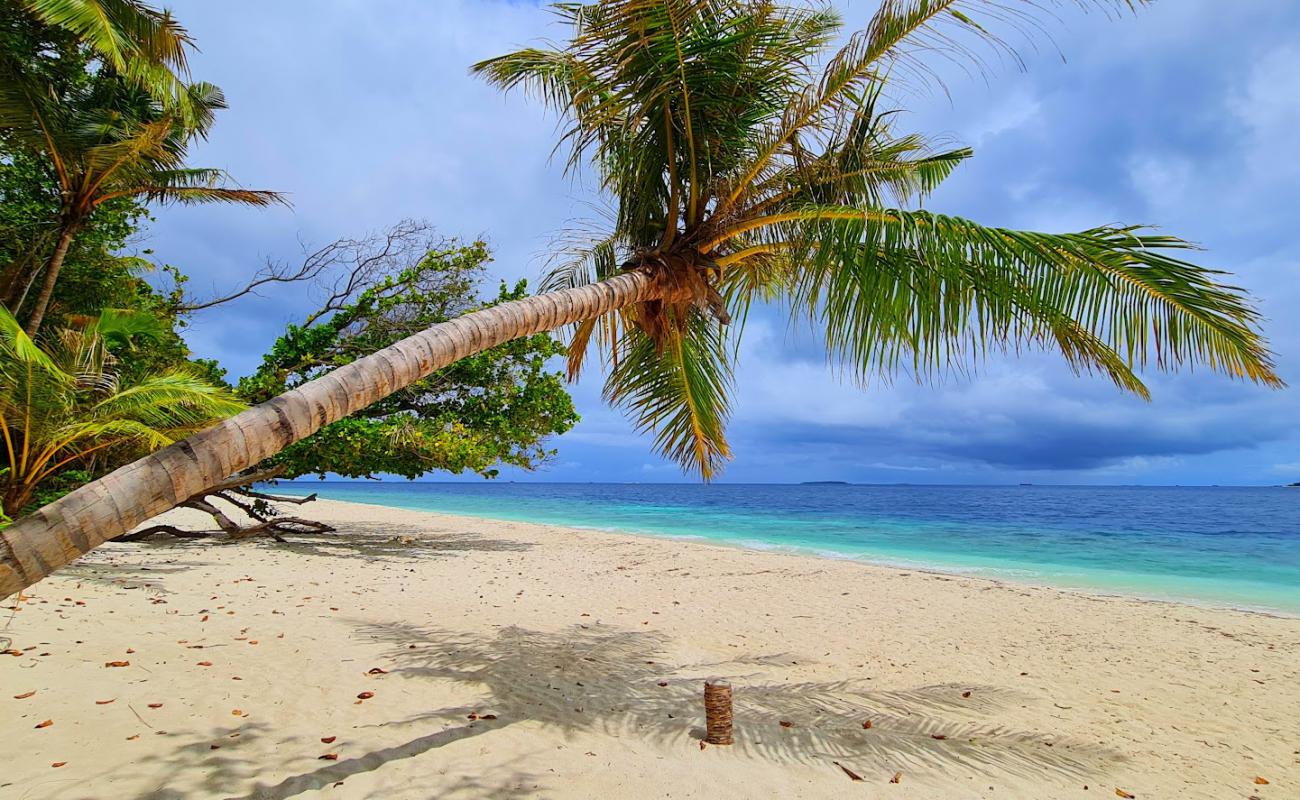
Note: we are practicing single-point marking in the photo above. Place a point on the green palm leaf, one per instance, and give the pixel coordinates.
(120, 30)
(173, 400)
(61, 403)
(19, 353)
(679, 391)
(940, 290)
(80, 437)
(149, 48)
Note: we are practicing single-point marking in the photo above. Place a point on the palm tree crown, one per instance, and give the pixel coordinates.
(744, 166)
(110, 141)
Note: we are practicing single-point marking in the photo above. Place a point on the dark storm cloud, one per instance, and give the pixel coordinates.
(1028, 442)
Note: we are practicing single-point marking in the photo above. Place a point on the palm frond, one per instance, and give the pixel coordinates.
(80, 436)
(17, 349)
(33, 119)
(130, 146)
(173, 400)
(199, 106)
(121, 327)
(556, 77)
(122, 31)
(891, 49)
(163, 192)
(62, 401)
(905, 37)
(580, 258)
(680, 394)
(938, 291)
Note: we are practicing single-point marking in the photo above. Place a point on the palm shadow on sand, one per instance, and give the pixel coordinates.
(225, 769)
(387, 541)
(608, 680)
(135, 564)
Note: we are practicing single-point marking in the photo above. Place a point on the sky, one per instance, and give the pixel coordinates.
(1184, 116)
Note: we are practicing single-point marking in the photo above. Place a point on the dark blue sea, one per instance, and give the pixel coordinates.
(1222, 546)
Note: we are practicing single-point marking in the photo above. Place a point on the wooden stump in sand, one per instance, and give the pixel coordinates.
(717, 712)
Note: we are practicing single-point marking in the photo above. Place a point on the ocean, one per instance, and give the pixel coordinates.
(1237, 547)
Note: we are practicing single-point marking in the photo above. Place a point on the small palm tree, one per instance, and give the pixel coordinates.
(62, 404)
(109, 141)
(745, 167)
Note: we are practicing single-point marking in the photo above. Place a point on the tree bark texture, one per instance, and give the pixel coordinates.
(51, 278)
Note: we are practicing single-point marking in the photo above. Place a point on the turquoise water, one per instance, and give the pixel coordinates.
(1222, 546)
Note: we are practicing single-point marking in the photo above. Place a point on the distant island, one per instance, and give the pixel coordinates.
(824, 483)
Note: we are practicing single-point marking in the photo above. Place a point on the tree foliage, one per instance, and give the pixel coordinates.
(30, 194)
(29, 215)
(77, 80)
(64, 402)
(144, 47)
(95, 275)
(749, 160)
(488, 410)
(103, 137)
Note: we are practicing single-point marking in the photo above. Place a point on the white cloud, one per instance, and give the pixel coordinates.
(1269, 103)
(1163, 180)
(1019, 113)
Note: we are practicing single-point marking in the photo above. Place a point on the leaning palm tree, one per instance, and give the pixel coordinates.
(743, 172)
(63, 403)
(107, 142)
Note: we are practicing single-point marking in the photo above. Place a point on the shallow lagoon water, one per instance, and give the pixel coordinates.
(1216, 545)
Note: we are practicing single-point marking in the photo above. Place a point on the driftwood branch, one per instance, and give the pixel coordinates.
(268, 521)
(245, 479)
(275, 529)
(225, 523)
(248, 508)
(297, 501)
(170, 530)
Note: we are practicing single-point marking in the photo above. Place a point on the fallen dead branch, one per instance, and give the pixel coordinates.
(258, 506)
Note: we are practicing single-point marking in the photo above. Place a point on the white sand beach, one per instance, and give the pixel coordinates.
(502, 659)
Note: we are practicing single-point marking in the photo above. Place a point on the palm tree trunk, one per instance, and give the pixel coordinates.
(57, 534)
(20, 274)
(15, 497)
(51, 278)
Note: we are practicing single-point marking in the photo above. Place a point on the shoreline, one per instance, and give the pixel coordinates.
(415, 654)
(895, 566)
(974, 573)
